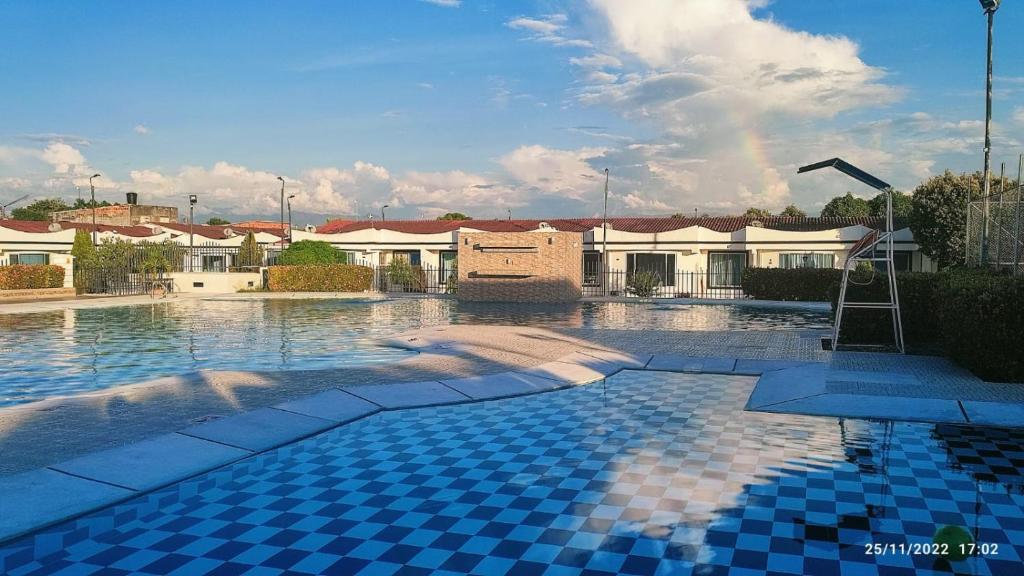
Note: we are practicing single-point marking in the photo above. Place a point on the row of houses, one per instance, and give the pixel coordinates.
(669, 246)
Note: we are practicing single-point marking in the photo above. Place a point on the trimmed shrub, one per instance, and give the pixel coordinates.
(310, 252)
(917, 291)
(31, 276)
(982, 320)
(320, 278)
(796, 284)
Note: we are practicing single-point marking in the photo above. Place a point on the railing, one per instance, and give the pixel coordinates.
(711, 285)
(409, 279)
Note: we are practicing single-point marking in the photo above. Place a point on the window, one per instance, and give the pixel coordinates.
(449, 264)
(726, 269)
(807, 260)
(591, 268)
(901, 258)
(213, 263)
(30, 258)
(664, 265)
(410, 256)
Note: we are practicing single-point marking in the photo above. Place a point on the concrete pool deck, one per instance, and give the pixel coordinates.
(109, 446)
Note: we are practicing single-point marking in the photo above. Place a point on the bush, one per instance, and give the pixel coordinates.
(320, 278)
(797, 284)
(31, 276)
(310, 252)
(982, 321)
(643, 284)
(917, 292)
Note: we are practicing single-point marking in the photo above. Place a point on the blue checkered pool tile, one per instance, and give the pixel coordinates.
(644, 473)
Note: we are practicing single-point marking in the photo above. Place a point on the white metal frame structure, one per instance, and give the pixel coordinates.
(866, 250)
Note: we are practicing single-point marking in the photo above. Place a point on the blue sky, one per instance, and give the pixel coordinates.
(485, 106)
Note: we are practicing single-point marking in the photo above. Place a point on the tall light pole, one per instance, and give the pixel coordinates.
(509, 214)
(382, 212)
(604, 238)
(282, 211)
(990, 7)
(290, 218)
(92, 190)
(192, 201)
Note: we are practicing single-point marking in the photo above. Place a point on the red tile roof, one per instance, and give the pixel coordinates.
(268, 226)
(204, 230)
(625, 224)
(32, 226)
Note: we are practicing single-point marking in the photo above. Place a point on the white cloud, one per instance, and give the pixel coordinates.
(548, 29)
(444, 3)
(1018, 115)
(566, 173)
(141, 129)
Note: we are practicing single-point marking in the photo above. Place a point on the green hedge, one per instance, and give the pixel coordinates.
(974, 317)
(320, 278)
(982, 318)
(31, 276)
(797, 284)
(918, 293)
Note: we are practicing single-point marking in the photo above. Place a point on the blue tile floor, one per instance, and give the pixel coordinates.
(645, 473)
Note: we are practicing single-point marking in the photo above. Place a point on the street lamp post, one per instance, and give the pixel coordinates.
(382, 212)
(92, 191)
(604, 238)
(990, 7)
(290, 218)
(282, 210)
(192, 201)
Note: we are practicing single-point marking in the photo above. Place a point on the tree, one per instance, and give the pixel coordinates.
(80, 203)
(938, 215)
(215, 221)
(250, 255)
(848, 206)
(901, 205)
(84, 254)
(757, 213)
(310, 252)
(39, 210)
(454, 216)
(793, 212)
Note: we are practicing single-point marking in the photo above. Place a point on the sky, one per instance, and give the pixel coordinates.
(492, 107)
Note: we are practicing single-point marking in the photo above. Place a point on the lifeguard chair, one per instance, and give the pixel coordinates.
(866, 250)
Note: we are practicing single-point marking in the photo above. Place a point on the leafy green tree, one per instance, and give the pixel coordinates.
(848, 206)
(39, 210)
(215, 221)
(250, 255)
(82, 249)
(81, 203)
(757, 213)
(311, 252)
(454, 216)
(901, 205)
(793, 212)
(402, 276)
(938, 215)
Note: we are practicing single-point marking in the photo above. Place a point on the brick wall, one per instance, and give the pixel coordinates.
(520, 266)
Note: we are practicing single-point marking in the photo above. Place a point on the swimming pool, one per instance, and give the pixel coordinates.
(645, 473)
(73, 351)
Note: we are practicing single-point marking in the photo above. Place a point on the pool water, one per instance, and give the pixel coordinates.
(73, 351)
(645, 473)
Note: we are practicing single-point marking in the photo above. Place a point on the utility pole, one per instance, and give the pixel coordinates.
(382, 212)
(282, 211)
(604, 238)
(290, 219)
(990, 7)
(92, 190)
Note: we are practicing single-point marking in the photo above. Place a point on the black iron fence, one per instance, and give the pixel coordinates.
(646, 284)
(404, 278)
(124, 268)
